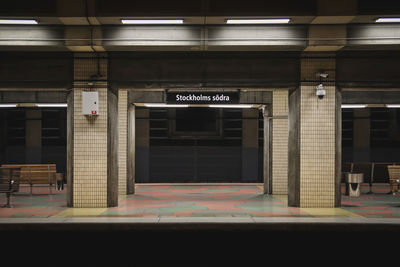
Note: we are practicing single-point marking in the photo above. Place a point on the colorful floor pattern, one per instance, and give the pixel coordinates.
(201, 201)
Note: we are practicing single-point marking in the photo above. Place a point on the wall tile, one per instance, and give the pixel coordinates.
(280, 142)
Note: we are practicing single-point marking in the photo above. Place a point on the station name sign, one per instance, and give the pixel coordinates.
(203, 97)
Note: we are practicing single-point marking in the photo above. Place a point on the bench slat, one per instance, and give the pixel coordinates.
(36, 173)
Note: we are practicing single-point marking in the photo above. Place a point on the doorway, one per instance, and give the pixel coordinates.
(199, 144)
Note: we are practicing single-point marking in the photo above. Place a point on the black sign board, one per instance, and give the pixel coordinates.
(203, 98)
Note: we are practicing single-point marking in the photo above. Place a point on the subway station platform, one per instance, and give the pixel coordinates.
(196, 225)
(202, 206)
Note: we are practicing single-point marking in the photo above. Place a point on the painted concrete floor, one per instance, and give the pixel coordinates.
(205, 201)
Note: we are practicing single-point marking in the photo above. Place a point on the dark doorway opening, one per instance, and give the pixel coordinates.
(198, 144)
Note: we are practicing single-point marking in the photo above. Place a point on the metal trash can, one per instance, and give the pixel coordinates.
(353, 184)
(59, 181)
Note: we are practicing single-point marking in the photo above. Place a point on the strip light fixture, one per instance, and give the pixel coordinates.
(8, 105)
(353, 106)
(393, 105)
(152, 21)
(387, 20)
(230, 106)
(18, 21)
(258, 21)
(162, 105)
(32, 105)
(53, 105)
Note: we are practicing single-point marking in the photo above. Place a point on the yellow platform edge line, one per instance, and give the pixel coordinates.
(330, 212)
(80, 212)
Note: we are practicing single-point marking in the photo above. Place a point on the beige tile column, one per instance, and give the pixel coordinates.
(122, 140)
(280, 132)
(315, 137)
(94, 176)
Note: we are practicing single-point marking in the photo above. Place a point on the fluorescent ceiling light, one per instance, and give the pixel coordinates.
(8, 105)
(354, 106)
(54, 105)
(161, 105)
(152, 21)
(393, 106)
(18, 21)
(230, 106)
(257, 21)
(388, 20)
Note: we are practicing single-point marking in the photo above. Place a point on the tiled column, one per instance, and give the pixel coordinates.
(94, 176)
(280, 133)
(315, 138)
(122, 140)
(131, 152)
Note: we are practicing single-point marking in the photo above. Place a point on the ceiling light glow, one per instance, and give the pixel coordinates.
(18, 21)
(387, 20)
(257, 21)
(353, 106)
(230, 106)
(393, 105)
(53, 105)
(162, 105)
(8, 105)
(152, 21)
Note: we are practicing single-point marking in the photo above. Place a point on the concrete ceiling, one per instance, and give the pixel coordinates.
(95, 25)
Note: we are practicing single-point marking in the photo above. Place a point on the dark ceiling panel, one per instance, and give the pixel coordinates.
(381, 7)
(261, 8)
(28, 8)
(149, 8)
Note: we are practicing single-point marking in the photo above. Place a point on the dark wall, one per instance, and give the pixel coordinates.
(154, 69)
(372, 69)
(178, 69)
(371, 97)
(36, 70)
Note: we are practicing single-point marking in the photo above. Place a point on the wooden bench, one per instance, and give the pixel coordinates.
(9, 182)
(36, 174)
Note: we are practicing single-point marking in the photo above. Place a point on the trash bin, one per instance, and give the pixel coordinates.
(353, 184)
(59, 181)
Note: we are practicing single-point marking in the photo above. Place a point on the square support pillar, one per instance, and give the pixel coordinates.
(280, 131)
(315, 140)
(122, 140)
(93, 157)
(130, 178)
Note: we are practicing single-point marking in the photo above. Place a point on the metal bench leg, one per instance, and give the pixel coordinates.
(8, 201)
(371, 180)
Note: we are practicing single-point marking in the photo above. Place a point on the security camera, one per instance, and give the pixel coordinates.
(320, 92)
